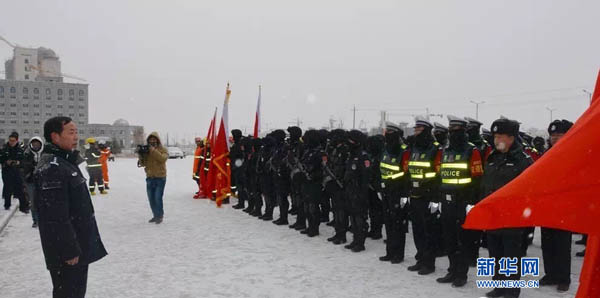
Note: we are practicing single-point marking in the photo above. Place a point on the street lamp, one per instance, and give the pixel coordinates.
(551, 111)
(588, 93)
(477, 107)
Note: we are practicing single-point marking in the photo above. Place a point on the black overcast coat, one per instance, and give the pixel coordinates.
(66, 216)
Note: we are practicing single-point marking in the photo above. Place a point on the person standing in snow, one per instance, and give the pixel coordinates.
(67, 225)
(10, 157)
(30, 160)
(154, 162)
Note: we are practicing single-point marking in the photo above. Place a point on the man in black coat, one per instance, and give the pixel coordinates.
(556, 244)
(11, 157)
(68, 231)
(505, 163)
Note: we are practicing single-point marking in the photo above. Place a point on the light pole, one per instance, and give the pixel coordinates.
(588, 93)
(477, 103)
(551, 111)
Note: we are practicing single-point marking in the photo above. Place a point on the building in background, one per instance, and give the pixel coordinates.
(34, 91)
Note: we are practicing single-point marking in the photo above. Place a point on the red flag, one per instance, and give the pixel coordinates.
(222, 170)
(257, 116)
(558, 191)
(205, 180)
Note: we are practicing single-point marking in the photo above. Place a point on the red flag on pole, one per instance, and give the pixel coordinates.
(257, 116)
(205, 165)
(222, 170)
(558, 191)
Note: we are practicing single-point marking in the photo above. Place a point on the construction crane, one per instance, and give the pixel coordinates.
(7, 42)
(42, 72)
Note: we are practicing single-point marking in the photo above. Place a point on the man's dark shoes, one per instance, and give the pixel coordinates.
(340, 240)
(385, 258)
(415, 267)
(459, 282)
(158, 220)
(397, 260)
(426, 270)
(547, 281)
(562, 287)
(152, 219)
(446, 279)
(358, 248)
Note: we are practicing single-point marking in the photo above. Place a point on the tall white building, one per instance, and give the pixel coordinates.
(29, 64)
(34, 92)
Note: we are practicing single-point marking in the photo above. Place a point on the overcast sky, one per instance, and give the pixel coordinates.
(165, 64)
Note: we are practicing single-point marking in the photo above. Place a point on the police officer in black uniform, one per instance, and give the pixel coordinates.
(424, 195)
(281, 176)
(461, 171)
(237, 158)
(440, 133)
(254, 189)
(265, 170)
(394, 189)
(375, 148)
(357, 176)
(334, 166)
(311, 167)
(297, 177)
(504, 164)
(556, 244)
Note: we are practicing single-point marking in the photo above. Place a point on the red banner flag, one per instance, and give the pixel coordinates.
(257, 116)
(558, 191)
(205, 180)
(222, 173)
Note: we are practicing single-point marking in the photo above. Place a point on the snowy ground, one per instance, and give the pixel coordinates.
(202, 251)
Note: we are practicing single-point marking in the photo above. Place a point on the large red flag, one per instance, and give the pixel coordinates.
(206, 153)
(222, 173)
(257, 116)
(558, 191)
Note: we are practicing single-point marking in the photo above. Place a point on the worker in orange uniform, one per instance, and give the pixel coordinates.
(104, 155)
(197, 169)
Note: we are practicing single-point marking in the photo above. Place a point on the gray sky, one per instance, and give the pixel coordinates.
(164, 64)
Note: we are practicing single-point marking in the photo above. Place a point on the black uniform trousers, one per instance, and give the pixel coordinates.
(423, 231)
(69, 281)
(458, 242)
(506, 243)
(396, 225)
(376, 219)
(311, 192)
(556, 251)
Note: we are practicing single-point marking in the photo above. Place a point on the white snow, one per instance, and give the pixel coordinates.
(202, 251)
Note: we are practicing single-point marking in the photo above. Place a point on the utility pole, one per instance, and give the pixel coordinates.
(588, 93)
(551, 111)
(354, 117)
(477, 103)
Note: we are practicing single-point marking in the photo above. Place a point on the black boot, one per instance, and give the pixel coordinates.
(385, 258)
(397, 260)
(350, 246)
(358, 248)
(446, 279)
(339, 240)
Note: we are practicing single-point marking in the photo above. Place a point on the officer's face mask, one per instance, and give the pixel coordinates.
(86, 146)
(392, 137)
(440, 137)
(473, 132)
(457, 137)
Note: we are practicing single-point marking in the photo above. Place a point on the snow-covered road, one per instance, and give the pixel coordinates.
(202, 251)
